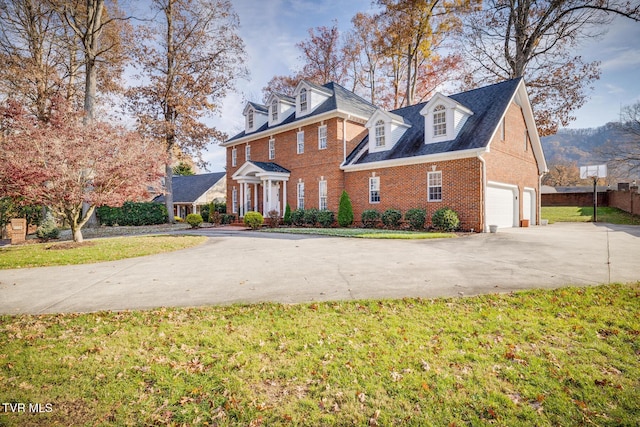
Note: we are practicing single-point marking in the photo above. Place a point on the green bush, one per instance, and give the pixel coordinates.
(297, 217)
(416, 218)
(253, 219)
(287, 215)
(345, 211)
(178, 219)
(392, 218)
(206, 212)
(445, 219)
(48, 229)
(370, 218)
(194, 220)
(325, 218)
(133, 213)
(311, 216)
(227, 218)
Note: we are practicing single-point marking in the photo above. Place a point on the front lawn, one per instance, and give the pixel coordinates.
(68, 253)
(565, 357)
(585, 214)
(364, 233)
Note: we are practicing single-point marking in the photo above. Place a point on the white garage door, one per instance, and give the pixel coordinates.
(528, 205)
(501, 205)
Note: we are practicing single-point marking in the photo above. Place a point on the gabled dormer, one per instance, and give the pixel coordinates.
(255, 115)
(444, 118)
(280, 107)
(308, 96)
(385, 129)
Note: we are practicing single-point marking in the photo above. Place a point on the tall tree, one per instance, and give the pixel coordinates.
(64, 162)
(535, 40)
(412, 32)
(623, 153)
(33, 59)
(102, 32)
(189, 59)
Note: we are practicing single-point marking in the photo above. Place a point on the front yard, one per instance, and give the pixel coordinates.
(565, 357)
(585, 214)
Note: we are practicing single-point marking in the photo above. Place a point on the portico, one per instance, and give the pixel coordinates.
(261, 184)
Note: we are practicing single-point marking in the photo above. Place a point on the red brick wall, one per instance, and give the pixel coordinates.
(405, 187)
(628, 201)
(508, 161)
(310, 166)
(574, 199)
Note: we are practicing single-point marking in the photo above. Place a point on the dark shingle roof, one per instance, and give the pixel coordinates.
(186, 189)
(488, 104)
(259, 107)
(270, 167)
(342, 99)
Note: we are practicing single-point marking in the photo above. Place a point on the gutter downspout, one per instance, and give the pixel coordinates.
(484, 193)
(344, 140)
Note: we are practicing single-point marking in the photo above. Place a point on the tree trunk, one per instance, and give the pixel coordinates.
(168, 197)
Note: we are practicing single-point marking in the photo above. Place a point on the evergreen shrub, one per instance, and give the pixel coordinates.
(370, 218)
(253, 219)
(416, 218)
(445, 219)
(392, 218)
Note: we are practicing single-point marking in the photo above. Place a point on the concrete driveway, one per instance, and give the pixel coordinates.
(252, 267)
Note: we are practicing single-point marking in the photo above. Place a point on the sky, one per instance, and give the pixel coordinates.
(271, 28)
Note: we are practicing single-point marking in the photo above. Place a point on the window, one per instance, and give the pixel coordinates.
(439, 121)
(250, 119)
(322, 192)
(303, 100)
(435, 186)
(374, 189)
(234, 157)
(301, 142)
(234, 198)
(272, 149)
(247, 152)
(301, 195)
(322, 137)
(380, 138)
(274, 110)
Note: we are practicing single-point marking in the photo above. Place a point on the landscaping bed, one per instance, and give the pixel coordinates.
(563, 357)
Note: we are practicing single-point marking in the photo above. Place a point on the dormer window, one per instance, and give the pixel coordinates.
(439, 121)
(274, 110)
(380, 137)
(250, 119)
(303, 100)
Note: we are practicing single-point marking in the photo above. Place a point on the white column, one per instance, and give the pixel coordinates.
(284, 198)
(255, 197)
(244, 201)
(264, 198)
(270, 191)
(241, 201)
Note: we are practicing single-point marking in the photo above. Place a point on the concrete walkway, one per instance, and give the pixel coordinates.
(240, 266)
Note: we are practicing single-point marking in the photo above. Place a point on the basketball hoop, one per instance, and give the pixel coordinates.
(595, 172)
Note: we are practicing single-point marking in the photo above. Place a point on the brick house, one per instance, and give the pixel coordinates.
(477, 152)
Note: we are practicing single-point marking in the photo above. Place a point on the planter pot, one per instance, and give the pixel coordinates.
(524, 223)
(493, 228)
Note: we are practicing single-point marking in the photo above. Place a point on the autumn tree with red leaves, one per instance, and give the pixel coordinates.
(64, 162)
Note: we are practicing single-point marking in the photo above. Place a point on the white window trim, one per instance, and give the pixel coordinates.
(380, 136)
(300, 142)
(439, 110)
(429, 186)
(247, 152)
(322, 129)
(322, 185)
(274, 113)
(234, 157)
(250, 119)
(300, 199)
(304, 92)
(272, 149)
(374, 186)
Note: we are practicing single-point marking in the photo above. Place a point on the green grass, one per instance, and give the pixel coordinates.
(566, 357)
(98, 250)
(585, 214)
(364, 233)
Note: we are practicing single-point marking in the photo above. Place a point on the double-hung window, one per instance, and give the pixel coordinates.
(234, 198)
(247, 152)
(234, 157)
(322, 137)
(272, 149)
(274, 110)
(300, 142)
(439, 121)
(434, 183)
(374, 189)
(301, 195)
(250, 120)
(303, 100)
(322, 192)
